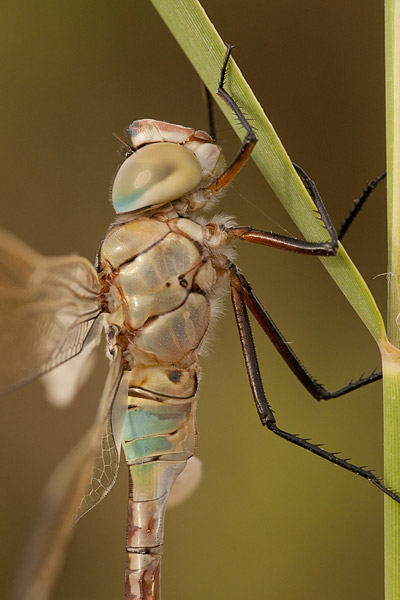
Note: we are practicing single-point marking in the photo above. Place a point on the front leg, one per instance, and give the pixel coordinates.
(327, 248)
(249, 140)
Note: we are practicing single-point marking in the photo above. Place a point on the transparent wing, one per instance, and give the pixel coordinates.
(47, 309)
(106, 462)
(62, 384)
(186, 482)
(45, 551)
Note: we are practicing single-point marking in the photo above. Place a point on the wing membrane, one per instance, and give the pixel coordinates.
(45, 551)
(186, 482)
(106, 462)
(63, 383)
(47, 309)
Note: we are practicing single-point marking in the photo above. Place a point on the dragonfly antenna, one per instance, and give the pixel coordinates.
(130, 150)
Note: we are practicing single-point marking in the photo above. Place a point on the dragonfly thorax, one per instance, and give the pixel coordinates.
(169, 164)
(157, 269)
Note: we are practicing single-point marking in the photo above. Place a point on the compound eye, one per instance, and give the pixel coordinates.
(154, 175)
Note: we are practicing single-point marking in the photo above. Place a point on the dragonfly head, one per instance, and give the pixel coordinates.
(168, 163)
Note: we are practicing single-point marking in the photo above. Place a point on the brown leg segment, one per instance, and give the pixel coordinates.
(268, 238)
(263, 408)
(328, 248)
(250, 138)
(281, 345)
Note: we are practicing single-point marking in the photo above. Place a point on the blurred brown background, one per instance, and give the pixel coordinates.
(269, 520)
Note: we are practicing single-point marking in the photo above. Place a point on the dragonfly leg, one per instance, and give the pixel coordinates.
(359, 203)
(249, 140)
(306, 379)
(264, 410)
(268, 238)
(328, 248)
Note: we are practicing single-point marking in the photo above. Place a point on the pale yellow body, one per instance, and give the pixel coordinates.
(163, 275)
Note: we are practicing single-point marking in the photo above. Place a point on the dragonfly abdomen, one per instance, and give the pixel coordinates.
(159, 436)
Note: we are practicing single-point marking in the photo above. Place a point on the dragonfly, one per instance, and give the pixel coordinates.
(155, 290)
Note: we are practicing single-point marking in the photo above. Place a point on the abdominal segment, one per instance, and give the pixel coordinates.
(158, 438)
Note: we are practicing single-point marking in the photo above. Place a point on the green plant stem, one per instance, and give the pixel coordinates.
(391, 362)
(205, 49)
(195, 33)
